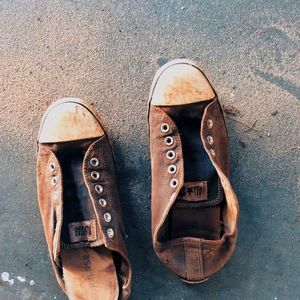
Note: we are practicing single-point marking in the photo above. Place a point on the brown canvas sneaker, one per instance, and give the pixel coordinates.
(194, 208)
(79, 203)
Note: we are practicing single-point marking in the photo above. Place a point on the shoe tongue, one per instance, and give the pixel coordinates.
(200, 193)
(194, 191)
(82, 234)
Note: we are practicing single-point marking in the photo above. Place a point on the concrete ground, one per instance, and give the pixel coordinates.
(108, 52)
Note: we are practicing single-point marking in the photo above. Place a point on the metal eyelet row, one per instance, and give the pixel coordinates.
(94, 162)
(54, 179)
(171, 154)
(209, 138)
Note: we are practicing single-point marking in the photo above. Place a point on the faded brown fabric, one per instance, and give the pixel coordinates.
(199, 246)
(82, 254)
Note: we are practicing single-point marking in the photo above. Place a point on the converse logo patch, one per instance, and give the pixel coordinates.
(82, 231)
(194, 191)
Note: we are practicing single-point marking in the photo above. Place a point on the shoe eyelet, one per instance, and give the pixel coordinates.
(98, 188)
(212, 151)
(102, 202)
(172, 169)
(54, 181)
(110, 233)
(107, 217)
(174, 183)
(210, 123)
(170, 154)
(94, 162)
(52, 167)
(164, 127)
(210, 139)
(95, 175)
(169, 141)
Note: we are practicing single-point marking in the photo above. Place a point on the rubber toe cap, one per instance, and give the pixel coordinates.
(68, 120)
(181, 83)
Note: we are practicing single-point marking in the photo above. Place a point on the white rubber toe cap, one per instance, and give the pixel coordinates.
(68, 120)
(180, 83)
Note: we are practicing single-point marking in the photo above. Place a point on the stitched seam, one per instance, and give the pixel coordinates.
(200, 260)
(187, 262)
(196, 260)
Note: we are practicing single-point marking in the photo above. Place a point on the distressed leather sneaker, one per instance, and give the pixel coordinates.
(194, 208)
(79, 203)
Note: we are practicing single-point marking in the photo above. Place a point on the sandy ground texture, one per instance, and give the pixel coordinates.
(108, 52)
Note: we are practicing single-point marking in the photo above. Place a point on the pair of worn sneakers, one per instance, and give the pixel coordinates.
(194, 208)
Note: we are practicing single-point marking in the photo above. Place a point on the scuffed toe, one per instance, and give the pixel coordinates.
(68, 120)
(181, 83)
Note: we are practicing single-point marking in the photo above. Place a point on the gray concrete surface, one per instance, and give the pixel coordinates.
(108, 52)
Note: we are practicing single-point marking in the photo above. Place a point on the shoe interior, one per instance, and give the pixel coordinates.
(89, 269)
(199, 219)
